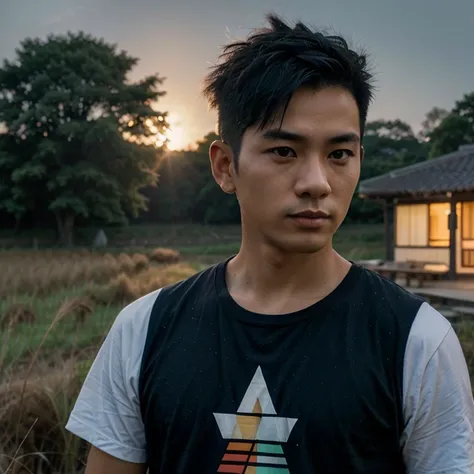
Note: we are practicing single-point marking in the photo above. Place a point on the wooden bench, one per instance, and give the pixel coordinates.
(419, 271)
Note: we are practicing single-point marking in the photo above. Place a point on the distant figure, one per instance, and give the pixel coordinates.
(285, 358)
(100, 240)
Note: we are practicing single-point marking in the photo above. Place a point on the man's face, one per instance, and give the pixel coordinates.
(295, 182)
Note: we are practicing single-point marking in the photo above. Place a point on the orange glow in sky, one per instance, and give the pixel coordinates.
(176, 134)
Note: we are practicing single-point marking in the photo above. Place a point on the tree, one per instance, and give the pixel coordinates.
(389, 129)
(432, 120)
(14, 199)
(79, 135)
(456, 129)
(388, 145)
(188, 191)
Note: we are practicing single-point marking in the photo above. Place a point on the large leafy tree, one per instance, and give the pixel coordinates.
(79, 136)
(456, 128)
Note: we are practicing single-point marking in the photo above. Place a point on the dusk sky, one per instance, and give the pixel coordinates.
(421, 50)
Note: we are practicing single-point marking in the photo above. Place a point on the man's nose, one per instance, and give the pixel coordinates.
(313, 178)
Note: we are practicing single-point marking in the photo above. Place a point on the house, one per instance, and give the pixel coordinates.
(429, 211)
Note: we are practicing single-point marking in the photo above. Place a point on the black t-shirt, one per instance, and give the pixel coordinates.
(225, 390)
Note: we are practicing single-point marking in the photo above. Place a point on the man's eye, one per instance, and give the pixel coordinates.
(283, 152)
(341, 154)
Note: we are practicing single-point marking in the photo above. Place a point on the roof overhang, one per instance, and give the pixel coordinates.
(386, 195)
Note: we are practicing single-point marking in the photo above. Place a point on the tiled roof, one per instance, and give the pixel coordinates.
(449, 173)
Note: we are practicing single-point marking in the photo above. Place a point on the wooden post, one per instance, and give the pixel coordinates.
(389, 213)
(453, 224)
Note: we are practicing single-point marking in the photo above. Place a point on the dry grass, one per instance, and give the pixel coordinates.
(80, 308)
(162, 255)
(55, 309)
(32, 417)
(124, 289)
(17, 314)
(42, 273)
(140, 261)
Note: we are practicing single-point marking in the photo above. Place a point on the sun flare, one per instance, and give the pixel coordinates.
(173, 135)
(177, 138)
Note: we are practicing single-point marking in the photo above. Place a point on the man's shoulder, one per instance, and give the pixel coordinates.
(202, 281)
(384, 293)
(135, 317)
(427, 326)
(428, 331)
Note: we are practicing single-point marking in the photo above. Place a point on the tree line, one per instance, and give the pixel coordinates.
(80, 144)
(187, 191)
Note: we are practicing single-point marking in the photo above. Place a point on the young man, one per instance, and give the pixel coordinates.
(286, 358)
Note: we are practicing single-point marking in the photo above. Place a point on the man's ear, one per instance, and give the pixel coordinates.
(222, 165)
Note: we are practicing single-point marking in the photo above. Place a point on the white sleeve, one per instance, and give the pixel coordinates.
(107, 410)
(438, 401)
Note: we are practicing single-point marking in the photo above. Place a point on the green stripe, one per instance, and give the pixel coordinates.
(269, 448)
(272, 470)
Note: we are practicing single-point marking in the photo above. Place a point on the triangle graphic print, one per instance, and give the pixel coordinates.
(256, 433)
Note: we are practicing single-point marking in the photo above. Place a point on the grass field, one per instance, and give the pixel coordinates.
(57, 306)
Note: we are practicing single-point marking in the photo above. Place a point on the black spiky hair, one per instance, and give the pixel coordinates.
(256, 78)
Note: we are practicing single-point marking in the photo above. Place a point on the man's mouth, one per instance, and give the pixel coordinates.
(310, 214)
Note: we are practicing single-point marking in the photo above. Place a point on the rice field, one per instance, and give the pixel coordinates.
(55, 309)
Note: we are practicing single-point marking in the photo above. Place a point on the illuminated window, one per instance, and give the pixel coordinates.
(412, 225)
(467, 220)
(468, 258)
(439, 224)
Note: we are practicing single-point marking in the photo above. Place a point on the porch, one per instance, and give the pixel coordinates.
(459, 292)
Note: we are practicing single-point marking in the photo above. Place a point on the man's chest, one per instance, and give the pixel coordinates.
(264, 406)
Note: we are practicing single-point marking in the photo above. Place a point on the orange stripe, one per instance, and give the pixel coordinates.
(239, 446)
(231, 469)
(253, 459)
(235, 457)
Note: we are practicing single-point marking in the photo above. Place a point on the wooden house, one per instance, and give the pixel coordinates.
(429, 211)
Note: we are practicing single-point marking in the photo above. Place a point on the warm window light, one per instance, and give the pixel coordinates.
(439, 229)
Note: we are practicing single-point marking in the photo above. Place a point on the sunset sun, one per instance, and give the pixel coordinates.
(176, 134)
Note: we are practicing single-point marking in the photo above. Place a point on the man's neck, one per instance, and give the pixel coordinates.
(279, 282)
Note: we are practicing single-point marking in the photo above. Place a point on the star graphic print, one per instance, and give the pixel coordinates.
(256, 433)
